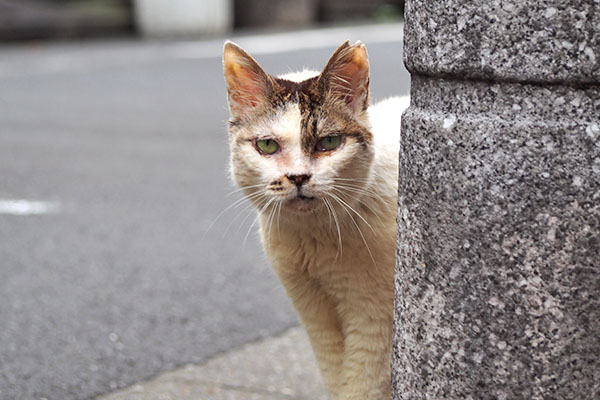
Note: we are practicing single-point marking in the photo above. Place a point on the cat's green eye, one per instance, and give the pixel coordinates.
(267, 146)
(329, 143)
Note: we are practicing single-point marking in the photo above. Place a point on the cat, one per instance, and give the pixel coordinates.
(321, 166)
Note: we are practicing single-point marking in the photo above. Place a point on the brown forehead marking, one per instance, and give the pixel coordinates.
(305, 93)
(310, 96)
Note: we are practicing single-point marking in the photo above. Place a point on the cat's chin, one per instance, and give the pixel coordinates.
(302, 205)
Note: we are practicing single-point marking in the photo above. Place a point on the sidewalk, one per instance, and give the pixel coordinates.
(277, 368)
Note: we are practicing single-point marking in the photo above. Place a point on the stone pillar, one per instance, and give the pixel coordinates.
(498, 273)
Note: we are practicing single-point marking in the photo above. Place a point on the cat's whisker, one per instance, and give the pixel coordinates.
(268, 202)
(247, 207)
(274, 215)
(350, 179)
(251, 199)
(337, 225)
(241, 200)
(249, 230)
(357, 185)
(358, 190)
(351, 183)
(328, 212)
(343, 189)
(365, 203)
(243, 188)
(353, 210)
(357, 228)
(246, 217)
(279, 216)
(274, 218)
(270, 220)
(254, 196)
(235, 204)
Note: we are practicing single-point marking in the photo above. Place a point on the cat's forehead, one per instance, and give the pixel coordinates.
(299, 112)
(284, 123)
(306, 93)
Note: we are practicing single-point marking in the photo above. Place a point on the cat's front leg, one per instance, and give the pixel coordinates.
(366, 367)
(318, 314)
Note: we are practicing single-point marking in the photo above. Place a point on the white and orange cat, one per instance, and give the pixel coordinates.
(321, 166)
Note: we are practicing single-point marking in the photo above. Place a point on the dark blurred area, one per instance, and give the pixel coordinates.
(294, 13)
(64, 19)
(40, 19)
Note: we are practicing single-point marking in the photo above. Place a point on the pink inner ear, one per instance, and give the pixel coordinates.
(349, 82)
(346, 76)
(245, 87)
(346, 82)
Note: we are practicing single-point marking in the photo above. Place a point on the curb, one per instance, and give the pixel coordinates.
(277, 368)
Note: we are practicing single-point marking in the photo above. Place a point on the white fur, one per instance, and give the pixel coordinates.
(385, 121)
(300, 75)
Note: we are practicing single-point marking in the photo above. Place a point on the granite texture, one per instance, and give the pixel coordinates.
(498, 273)
(515, 40)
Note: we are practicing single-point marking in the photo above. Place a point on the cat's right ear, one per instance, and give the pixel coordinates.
(346, 76)
(248, 86)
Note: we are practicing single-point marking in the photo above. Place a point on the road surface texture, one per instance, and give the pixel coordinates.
(113, 167)
(276, 368)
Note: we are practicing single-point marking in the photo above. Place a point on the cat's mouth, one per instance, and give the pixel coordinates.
(302, 203)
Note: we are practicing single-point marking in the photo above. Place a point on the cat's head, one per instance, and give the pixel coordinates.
(302, 143)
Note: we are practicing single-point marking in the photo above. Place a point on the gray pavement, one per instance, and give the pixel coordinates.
(277, 368)
(122, 279)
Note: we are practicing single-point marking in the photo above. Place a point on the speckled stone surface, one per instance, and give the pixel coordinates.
(538, 41)
(498, 275)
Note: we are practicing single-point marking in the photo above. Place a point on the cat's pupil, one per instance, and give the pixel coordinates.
(267, 146)
(329, 143)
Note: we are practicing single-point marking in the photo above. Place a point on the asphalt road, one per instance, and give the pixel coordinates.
(119, 277)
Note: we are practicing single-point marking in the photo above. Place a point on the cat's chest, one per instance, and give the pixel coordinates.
(310, 251)
(336, 264)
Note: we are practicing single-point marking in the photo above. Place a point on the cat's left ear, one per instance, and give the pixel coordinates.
(346, 76)
(248, 86)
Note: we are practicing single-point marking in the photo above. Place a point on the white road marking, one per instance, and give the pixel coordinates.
(28, 207)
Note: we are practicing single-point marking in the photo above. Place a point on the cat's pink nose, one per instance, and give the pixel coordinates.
(298, 180)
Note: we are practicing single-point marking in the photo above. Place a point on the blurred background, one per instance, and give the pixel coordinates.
(123, 251)
(43, 19)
